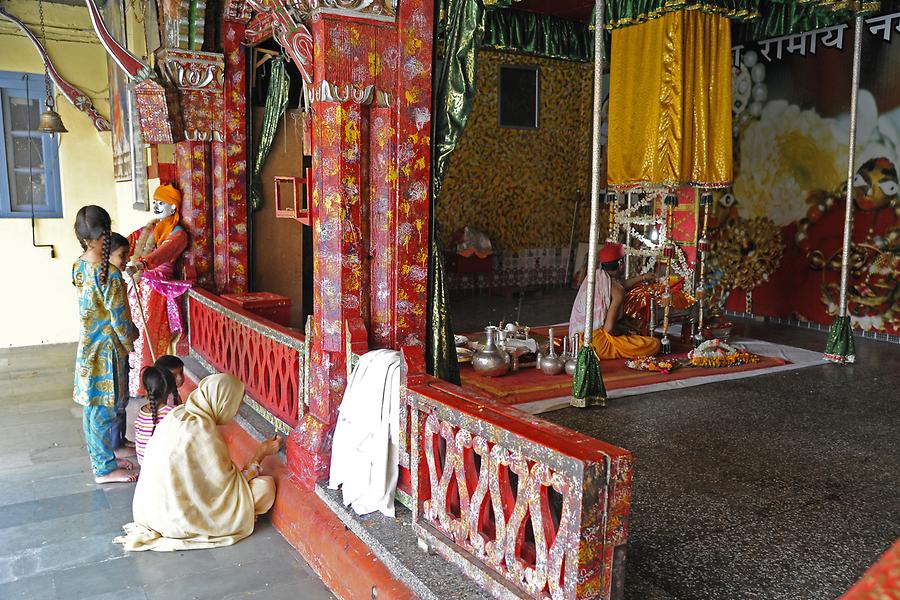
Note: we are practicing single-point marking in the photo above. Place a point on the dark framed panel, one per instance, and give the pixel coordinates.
(519, 97)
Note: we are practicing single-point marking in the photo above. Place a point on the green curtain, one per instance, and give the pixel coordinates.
(778, 18)
(440, 358)
(621, 13)
(538, 35)
(463, 32)
(276, 102)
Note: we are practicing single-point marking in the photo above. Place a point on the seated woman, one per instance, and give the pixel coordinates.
(609, 300)
(190, 494)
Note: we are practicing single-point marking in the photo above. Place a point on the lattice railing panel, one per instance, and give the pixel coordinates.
(268, 358)
(526, 508)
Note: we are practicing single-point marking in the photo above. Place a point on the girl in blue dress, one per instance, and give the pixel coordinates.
(106, 335)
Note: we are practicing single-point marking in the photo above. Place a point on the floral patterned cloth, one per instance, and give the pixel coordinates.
(106, 334)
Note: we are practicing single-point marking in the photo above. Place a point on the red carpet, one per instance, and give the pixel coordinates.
(529, 385)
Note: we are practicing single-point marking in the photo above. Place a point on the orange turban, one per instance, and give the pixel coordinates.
(169, 195)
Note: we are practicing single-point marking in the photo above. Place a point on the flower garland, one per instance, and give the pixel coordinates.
(651, 363)
(717, 354)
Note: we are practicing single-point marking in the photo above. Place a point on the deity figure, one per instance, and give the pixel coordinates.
(152, 292)
(873, 294)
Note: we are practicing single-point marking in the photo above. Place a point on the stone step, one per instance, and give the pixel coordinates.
(391, 540)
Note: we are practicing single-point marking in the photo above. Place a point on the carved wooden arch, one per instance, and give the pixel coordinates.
(79, 99)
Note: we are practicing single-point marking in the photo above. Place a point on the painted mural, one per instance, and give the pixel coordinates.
(792, 98)
(119, 104)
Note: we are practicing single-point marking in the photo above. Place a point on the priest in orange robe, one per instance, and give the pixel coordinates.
(609, 301)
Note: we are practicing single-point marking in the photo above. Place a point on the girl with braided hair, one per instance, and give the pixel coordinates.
(106, 334)
(160, 385)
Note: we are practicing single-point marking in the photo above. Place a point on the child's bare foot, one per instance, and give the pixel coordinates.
(128, 444)
(124, 464)
(117, 476)
(124, 452)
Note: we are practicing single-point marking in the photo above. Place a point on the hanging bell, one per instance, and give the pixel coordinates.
(51, 122)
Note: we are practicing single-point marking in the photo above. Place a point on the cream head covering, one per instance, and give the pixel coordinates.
(190, 494)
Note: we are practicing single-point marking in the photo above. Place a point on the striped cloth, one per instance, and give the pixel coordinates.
(143, 428)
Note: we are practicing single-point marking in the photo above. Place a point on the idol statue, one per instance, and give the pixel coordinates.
(152, 290)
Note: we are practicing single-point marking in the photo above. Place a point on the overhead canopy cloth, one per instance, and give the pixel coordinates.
(190, 494)
(670, 102)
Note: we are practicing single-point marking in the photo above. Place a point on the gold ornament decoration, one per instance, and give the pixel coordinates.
(747, 251)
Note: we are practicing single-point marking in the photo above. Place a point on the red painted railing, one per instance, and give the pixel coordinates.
(267, 357)
(525, 507)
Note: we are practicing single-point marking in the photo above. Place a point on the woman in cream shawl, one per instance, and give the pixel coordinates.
(190, 494)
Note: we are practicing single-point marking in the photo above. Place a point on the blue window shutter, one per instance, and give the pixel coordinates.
(27, 86)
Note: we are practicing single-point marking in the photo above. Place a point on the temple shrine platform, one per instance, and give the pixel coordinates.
(780, 486)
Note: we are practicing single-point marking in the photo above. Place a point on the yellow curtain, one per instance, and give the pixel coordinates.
(670, 102)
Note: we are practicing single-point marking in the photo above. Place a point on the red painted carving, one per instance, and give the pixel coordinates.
(259, 29)
(235, 230)
(158, 112)
(193, 165)
(290, 32)
(128, 62)
(79, 99)
(263, 354)
(199, 78)
(237, 11)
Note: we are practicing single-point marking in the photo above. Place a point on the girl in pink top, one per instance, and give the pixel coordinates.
(160, 386)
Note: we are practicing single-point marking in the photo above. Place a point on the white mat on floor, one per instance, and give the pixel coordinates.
(797, 358)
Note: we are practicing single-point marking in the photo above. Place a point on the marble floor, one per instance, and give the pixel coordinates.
(782, 486)
(56, 525)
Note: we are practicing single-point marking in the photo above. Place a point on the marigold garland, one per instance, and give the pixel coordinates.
(651, 363)
(717, 354)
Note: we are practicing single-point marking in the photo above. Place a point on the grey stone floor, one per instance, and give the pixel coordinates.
(56, 525)
(783, 486)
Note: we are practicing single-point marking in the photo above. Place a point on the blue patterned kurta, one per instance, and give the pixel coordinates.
(105, 334)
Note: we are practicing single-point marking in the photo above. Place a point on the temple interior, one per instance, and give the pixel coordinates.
(505, 308)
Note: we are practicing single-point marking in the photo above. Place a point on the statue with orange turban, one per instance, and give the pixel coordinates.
(152, 292)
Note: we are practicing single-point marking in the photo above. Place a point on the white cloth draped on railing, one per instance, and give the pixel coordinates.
(365, 451)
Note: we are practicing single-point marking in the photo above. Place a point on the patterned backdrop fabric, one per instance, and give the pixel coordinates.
(518, 186)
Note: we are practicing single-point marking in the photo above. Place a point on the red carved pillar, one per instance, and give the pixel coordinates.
(370, 77)
(220, 217)
(232, 245)
(383, 227)
(192, 163)
(415, 20)
(340, 161)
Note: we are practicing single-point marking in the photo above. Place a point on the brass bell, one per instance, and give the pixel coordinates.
(51, 122)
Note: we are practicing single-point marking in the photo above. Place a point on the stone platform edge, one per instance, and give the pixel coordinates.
(341, 559)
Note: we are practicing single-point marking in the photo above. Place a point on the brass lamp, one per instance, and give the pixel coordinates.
(50, 121)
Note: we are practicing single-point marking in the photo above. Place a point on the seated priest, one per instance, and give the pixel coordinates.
(609, 301)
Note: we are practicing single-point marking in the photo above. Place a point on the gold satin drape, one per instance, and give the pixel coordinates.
(670, 102)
